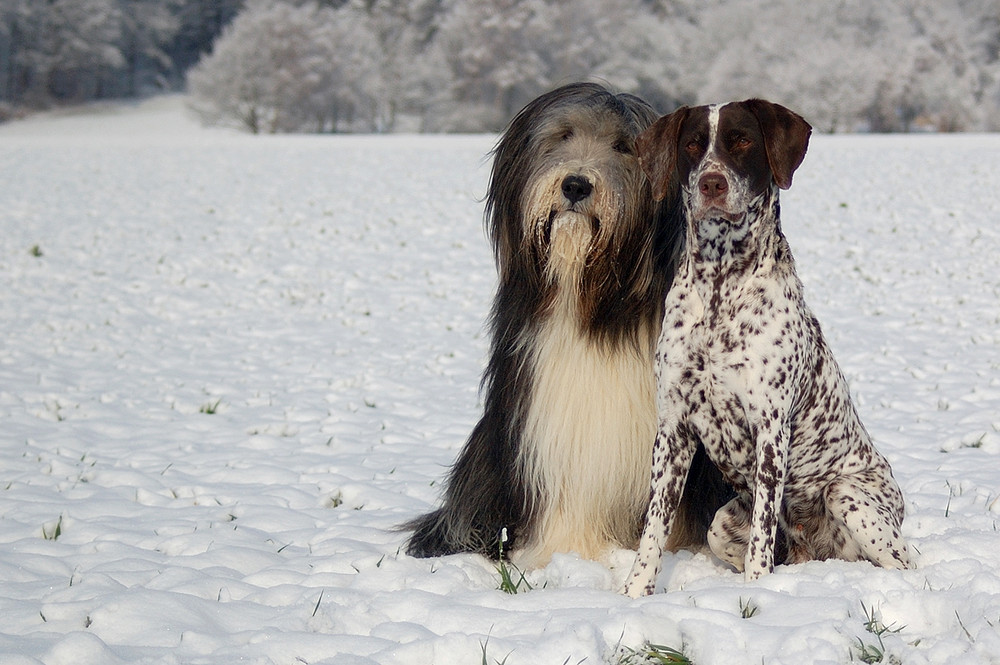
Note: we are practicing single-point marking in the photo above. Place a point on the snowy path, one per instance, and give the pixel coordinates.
(230, 365)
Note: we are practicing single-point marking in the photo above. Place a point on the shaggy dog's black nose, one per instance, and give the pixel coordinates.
(576, 188)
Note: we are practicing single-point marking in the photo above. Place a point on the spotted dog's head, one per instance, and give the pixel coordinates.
(727, 158)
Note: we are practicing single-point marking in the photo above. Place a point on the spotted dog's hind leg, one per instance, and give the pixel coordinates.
(870, 505)
(730, 532)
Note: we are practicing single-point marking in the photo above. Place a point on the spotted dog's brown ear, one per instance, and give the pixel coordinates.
(657, 150)
(786, 137)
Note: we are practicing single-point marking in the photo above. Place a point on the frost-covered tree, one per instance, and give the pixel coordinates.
(491, 50)
(499, 54)
(892, 66)
(412, 77)
(281, 67)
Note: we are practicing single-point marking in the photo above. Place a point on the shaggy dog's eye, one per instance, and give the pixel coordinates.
(566, 135)
(623, 146)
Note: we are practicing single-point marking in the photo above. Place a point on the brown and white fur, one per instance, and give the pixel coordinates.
(743, 367)
(559, 461)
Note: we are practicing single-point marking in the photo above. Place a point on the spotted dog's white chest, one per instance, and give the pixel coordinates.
(715, 360)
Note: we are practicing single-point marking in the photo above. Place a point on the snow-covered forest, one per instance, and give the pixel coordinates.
(457, 65)
(71, 51)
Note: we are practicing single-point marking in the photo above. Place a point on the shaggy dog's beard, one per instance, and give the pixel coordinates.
(570, 237)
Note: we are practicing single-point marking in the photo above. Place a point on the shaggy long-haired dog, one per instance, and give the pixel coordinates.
(560, 460)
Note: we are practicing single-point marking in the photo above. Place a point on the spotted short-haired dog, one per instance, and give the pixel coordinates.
(743, 366)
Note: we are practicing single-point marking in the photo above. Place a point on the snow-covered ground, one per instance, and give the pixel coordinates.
(230, 365)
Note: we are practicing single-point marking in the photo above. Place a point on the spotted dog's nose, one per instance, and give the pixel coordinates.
(576, 188)
(711, 185)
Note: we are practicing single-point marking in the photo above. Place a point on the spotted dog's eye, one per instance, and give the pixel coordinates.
(694, 145)
(742, 143)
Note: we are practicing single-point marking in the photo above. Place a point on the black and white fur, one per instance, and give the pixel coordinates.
(560, 458)
(743, 366)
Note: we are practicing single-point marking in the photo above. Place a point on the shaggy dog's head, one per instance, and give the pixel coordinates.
(568, 205)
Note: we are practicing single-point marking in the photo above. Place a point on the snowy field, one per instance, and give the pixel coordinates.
(230, 365)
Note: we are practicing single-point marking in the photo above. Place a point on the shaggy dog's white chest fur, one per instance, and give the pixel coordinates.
(589, 437)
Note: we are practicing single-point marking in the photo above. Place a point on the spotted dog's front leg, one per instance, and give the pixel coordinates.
(769, 485)
(672, 455)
